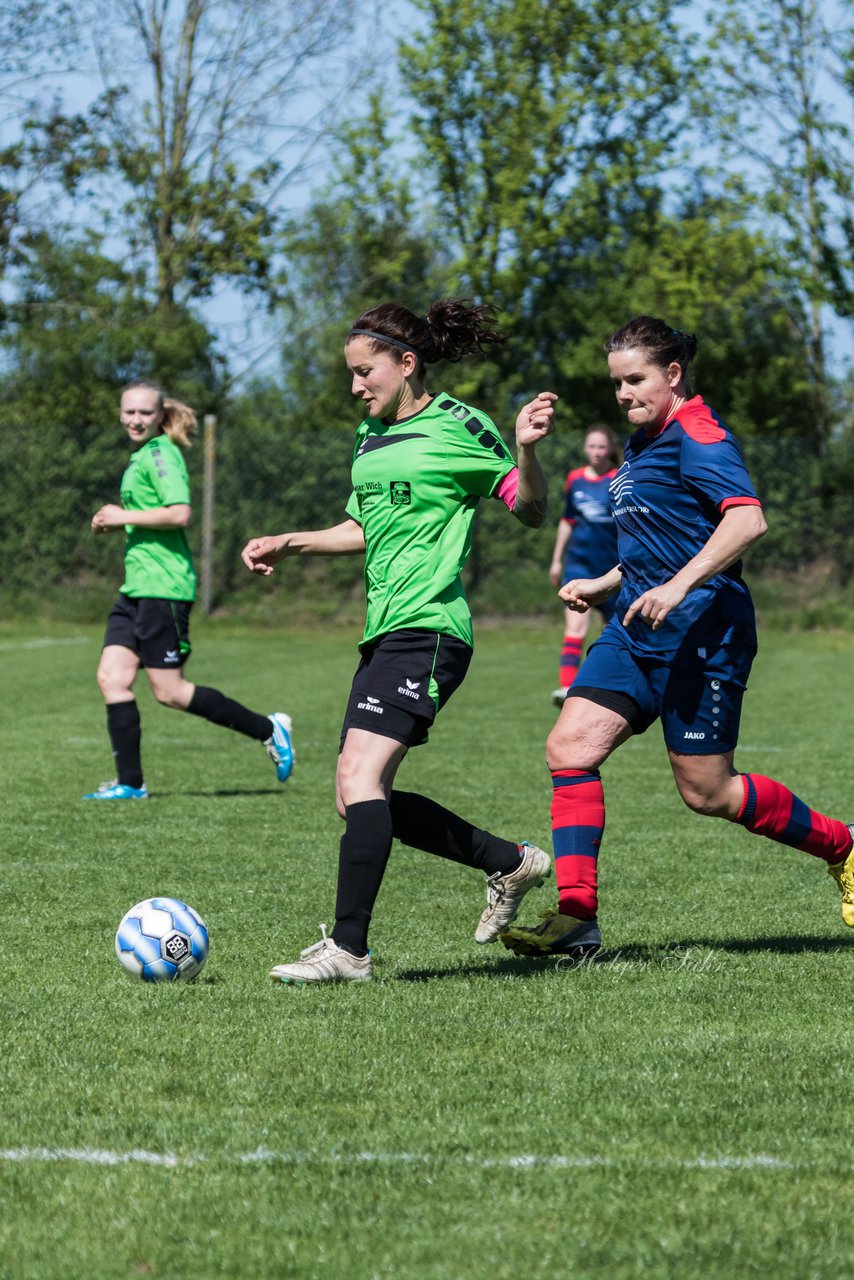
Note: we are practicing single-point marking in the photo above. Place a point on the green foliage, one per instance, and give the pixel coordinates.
(546, 127)
(80, 327)
(370, 238)
(774, 96)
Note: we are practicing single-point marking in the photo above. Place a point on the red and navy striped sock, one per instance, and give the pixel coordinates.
(578, 821)
(770, 809)
(570, 660)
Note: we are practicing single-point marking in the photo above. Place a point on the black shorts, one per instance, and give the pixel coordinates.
(404, 678)
(158, 631)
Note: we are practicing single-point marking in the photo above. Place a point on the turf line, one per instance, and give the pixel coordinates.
(42, 642)
(168, 1160)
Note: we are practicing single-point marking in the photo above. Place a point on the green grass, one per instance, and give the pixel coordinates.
(677, 1109)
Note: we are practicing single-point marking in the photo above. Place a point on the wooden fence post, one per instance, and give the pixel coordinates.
(208, 486)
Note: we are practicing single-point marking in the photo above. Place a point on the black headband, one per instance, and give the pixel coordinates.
(381, 337)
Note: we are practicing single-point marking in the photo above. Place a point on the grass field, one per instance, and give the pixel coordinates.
(677, 1109)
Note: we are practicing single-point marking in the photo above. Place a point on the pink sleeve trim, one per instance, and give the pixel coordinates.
(738, 502)
(508, 488)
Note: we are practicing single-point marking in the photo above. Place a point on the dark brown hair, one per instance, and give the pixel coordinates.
(661, 344)
(451, 329)
(615, 449)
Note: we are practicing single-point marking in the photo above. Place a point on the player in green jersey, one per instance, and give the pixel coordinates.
(148, 625)
(421, 463)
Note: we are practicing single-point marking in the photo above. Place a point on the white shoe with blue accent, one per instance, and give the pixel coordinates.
(118, 791)
(280, 747)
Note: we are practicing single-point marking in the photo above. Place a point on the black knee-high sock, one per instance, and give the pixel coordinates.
(125, 732)
(212, 705)
(365, 846)
(423, 824)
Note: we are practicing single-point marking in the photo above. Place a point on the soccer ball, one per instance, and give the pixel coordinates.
(162, 939)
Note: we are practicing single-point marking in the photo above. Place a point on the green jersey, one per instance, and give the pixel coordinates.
(157, 561)
(416, 484)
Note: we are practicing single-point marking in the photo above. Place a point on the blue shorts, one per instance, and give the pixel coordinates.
(699, 707)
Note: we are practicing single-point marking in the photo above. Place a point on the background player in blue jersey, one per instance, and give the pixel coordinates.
(421, 464)
(680, 645)
(586, 541)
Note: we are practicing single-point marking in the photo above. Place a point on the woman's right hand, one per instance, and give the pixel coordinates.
(582, 594)
(261, 554)
(555, 572)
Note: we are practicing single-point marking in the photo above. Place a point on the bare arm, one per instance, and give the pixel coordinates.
(739, 528)
(564, 533)
(534, 422)
(345, 539)
(111, 517)
(581, 594)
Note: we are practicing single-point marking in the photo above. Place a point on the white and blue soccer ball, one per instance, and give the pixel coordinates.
(162, 939)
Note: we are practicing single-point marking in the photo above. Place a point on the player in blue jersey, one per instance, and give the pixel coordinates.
(586, 541)
(421, 464)
(680, 645)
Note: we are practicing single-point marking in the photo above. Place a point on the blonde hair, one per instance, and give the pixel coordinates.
(179, 420)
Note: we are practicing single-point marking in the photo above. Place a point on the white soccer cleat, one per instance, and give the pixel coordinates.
(325, 961)
(504, 893)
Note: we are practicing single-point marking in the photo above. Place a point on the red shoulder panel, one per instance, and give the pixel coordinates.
(697, 421)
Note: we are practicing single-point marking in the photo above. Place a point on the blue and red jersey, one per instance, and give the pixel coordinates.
(668, 498)
(592, 548)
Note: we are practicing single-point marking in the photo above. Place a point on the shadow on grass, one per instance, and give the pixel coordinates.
(505, 966)
(215, 793)
(671, 955)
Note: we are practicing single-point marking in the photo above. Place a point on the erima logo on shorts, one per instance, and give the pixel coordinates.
(171, 655)
(695, 737)
(372, 704)
(409, 691)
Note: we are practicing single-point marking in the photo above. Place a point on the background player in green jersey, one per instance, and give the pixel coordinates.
(421, 463)
(148, 624)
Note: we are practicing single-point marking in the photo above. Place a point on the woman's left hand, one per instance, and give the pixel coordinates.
(535, 420)
(108, 518)
(654, 605)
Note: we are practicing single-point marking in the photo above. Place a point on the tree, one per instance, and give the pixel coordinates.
(775, 95)
(546, 126)
(79, 326)
(366, 239)
(194, 93)
(31, 44)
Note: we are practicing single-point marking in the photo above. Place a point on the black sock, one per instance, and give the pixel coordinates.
(125, 732)
(365, 846)
(423, 824)
(212, 705)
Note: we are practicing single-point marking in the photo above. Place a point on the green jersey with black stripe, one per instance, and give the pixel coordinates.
(416, 485)
(157, 561)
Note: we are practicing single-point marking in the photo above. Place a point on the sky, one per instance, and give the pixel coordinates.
(248, 338)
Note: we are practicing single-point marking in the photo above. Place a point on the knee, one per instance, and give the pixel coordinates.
(169, 698)
(708, 804)
(561, 750)
(348, 783)
(112, 687)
